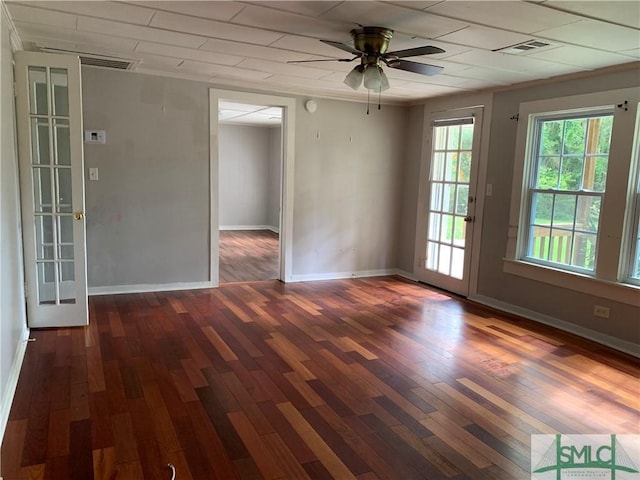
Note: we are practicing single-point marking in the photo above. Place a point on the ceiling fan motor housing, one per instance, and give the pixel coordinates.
(373, 41)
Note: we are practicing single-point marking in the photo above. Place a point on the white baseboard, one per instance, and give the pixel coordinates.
(9, 390)
(248, 227)
(407, 275)
(146, 288)
(340, 275)
(613, 342)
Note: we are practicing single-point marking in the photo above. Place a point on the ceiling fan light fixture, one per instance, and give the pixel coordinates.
(354, 77)
(375, 79)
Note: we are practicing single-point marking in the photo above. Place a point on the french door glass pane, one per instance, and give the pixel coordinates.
(38, 94)
(63, 203)
(46, 282)
(40, 151)
(62, 142)
(44, 238)
(457, 263)
(42, 197)
(450, 176)
(60, 92)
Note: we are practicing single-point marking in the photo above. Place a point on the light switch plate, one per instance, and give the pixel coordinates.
(95, 136)
(93, 174)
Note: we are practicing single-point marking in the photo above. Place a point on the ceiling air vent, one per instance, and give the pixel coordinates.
(95, 60)
(524, 47)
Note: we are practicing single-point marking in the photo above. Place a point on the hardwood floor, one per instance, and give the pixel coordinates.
(367, 378)
(248, 255)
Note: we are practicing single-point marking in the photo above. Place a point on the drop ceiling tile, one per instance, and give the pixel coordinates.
(190, 66)
(101, 9)
(213, 29)
(592, 33)
(310, 8)
(633, 52)
(287, 22)
(284, 68)
(49, 34)
(313, 46)
(394, 16)
(622, 12)
(307, 84)
(212, 10)
(250, 50)
(427, 89)
(498, 77)
(580, 56)
(24, 13)
(509, 15)
(484, 37)
(138, 32)
(416, 5)
(187, 53)
(513, 63)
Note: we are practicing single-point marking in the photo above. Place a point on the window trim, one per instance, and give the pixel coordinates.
(609, 279)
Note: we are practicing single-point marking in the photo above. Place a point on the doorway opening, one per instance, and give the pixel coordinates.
(251, 201)
(250, 191)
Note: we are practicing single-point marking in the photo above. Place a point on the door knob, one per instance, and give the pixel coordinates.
(78, 215)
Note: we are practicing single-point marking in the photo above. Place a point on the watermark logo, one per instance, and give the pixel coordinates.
(585, 457)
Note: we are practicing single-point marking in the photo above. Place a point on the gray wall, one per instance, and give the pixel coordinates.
(564, 304)
(275, 178)
(13, 324)
(148, 214)
(348, 184)
(244, 175)
(411, 184)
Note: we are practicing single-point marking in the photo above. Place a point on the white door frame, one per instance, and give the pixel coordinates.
(436, 108)
(288, 105)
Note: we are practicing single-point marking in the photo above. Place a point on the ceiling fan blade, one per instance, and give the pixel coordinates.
(343, 46)
(414, 52)
(324, 60)
(415, 67)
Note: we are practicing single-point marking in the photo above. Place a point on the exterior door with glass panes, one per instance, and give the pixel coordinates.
(448, 199)
(49, 116)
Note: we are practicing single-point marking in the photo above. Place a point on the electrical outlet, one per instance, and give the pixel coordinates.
(600, 311)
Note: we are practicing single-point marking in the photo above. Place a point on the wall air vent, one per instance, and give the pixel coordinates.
(95, 60)
(525, 47)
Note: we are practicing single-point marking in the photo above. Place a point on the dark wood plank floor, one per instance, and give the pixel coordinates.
(367, 378)
(248, 255)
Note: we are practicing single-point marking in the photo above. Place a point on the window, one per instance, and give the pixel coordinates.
(570, 160)
(575, 209)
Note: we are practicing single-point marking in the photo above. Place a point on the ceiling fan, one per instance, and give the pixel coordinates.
(370, 45)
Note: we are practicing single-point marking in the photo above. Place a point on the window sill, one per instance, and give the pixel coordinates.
(617, 292)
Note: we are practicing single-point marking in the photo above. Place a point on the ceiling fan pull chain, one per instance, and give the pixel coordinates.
(368, 98)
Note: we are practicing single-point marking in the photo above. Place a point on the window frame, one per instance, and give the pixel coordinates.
(533, 147)
(610, 277)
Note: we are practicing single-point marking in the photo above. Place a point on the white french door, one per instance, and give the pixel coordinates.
(49, 119)
(448, 200)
